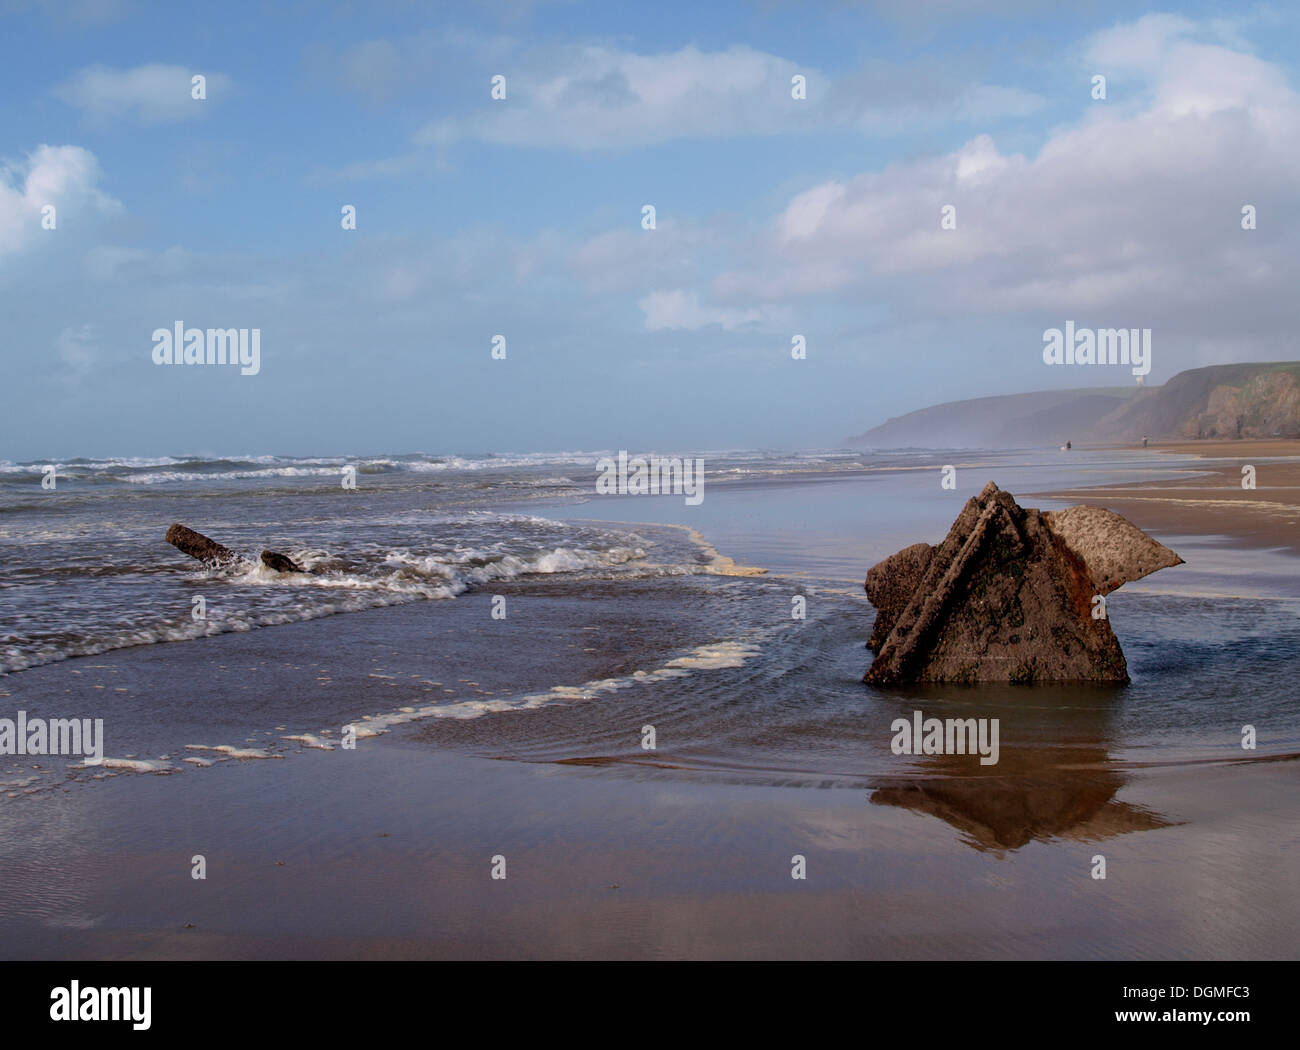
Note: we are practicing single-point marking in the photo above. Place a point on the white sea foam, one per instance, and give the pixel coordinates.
(230, 475)
(719, 655)
(131, 765)
(153, 470)
(309, 740)
(233, 752)
(127, 462)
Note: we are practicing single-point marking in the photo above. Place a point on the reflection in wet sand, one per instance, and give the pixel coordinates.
(1055, 777)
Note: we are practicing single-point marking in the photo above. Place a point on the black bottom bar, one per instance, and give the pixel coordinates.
(593, 1001)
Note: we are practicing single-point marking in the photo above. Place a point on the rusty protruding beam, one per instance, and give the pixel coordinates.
(196, 545)
(212, 553)
(280, 562)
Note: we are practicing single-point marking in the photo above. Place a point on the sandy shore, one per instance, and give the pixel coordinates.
(388, 851)
(1211, 500)
(390, 857)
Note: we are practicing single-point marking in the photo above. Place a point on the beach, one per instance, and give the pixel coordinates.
(501, 801)
(1212, 501)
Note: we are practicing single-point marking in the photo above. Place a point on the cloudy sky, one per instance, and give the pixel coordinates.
(522, 216)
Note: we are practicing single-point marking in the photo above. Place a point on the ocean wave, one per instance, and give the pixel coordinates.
(398, 576)
(150, 470)
(182, 469)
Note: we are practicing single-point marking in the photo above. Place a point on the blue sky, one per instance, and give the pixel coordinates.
(775, 216)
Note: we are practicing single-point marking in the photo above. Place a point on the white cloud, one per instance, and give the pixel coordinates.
(806, 213)
(631, 258)
(66, 177)
(601, 97)
(148, 94)
(679, 308)
(1134, 210)
(1136, 47)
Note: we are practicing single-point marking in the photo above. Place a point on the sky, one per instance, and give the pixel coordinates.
(523, 216)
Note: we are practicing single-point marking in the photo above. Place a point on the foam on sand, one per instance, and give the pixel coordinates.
(309, 740)
(130, 765)
(715, 656)
(233, 752)
(715, 563)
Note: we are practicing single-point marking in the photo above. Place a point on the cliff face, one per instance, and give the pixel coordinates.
(1224, 401)
(1221, 401)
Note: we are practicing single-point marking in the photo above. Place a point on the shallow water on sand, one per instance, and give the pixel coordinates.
(736, 692)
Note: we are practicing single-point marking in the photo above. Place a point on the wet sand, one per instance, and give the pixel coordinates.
(1211, 500)
(387, 852)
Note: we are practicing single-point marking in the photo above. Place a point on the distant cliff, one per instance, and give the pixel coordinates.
(1221, 401)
